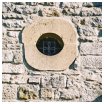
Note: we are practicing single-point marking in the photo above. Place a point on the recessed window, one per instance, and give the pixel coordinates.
(50, 44)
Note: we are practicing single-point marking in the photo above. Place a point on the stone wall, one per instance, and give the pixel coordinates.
(82, 81)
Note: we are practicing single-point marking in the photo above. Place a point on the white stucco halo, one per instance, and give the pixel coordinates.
(60, 26)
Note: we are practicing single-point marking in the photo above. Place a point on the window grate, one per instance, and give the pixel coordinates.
(49, 46)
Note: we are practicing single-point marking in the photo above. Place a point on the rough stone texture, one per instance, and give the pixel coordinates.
(91, 11)
(47, 93)
(91, 48)
(58, 81)
(70, 94)
(14, 78)
(79, 82)
(12, 68)
(9, 92)
(18, 57)
(26, 94)
(7, 56)
(91, 62)
(34, 79)
(46, 81)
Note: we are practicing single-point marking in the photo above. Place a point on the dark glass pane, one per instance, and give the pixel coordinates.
(49, 44)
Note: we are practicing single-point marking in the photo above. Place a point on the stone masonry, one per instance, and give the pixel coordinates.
(81, 82)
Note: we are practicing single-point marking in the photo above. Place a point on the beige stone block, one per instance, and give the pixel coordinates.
(64, 29)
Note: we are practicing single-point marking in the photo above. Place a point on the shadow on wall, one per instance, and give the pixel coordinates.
(98, 99)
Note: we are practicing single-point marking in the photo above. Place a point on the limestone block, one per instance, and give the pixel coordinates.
(7, 7)
(47, 93)
(87, 4)
(7, 56)
(49, 12)
(91, 61)
(13, 68)
(18, 57)
(71, 4)
(13, 23)
(87, 30)
(12, 47)
(70, 94)
(14, 79)
(9, 91)
(71, 11)
(56, 95)
(46, 81)
(95, 21)
(91, 48)
(13, 34)
(60, 61)
(32, 3)
(12, 16)
(58, 81)
(6, 78)
(25, 93)
(20, 9)
(91, 11)
(89, 75)
(34, 79)
(11, 40)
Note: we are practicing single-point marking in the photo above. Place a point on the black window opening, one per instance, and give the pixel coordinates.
(50, 44)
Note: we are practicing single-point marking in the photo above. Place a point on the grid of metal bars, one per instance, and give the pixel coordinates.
(49, 47)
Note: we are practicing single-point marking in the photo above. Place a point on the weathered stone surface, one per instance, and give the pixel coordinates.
(58, 81)
(95, 21)
(7, 7)
(90, 92)
(12, 68)
(25, 93)
(47, 93)
(74, 80)
(56, 94)
(91, 11)
(70, 94)
(12, 16)
(13, 23)
(91, 48)
(7, 56)
(11, 40)
(87, 31)
(18, 57)
(49, 12)
(71, 11)
(46, 81)
(7, 78)
(19, 9)
(32, 3)
(9, 91)
(34, 80)
(87, 4)
(89, 75)
(11, 46)
(81, 81)
(70, 4)
(91, 61)
(13, 34)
